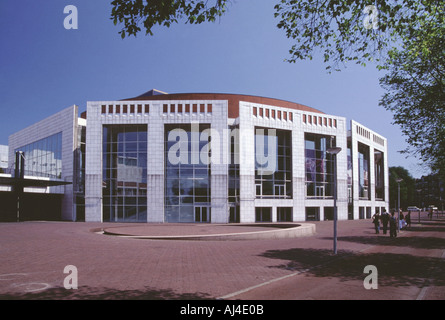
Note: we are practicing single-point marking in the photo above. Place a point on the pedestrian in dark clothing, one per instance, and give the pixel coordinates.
(385, 221)
(392, 226)
(408, 220)
(376, 221)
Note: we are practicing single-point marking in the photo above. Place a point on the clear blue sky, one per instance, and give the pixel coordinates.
(45, 68)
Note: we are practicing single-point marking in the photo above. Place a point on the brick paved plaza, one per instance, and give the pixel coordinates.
(33, 256)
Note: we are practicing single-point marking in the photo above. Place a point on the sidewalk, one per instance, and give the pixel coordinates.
(410, 267)
(33, 256)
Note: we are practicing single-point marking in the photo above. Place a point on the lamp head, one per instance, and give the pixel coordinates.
(333, 150)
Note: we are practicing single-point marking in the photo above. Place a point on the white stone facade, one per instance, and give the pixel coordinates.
(156, 114)
(66, 122)
(218, 114)
(360, 134)
(155, 118)
(299, 201)
(4, 154)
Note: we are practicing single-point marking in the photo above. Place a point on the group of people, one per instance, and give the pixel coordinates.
(390, 220)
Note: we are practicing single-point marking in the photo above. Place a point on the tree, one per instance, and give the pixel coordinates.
(415, 94)
(404, 37)
(351, 30)
(346, 30)
(133, 13)
(407, 187)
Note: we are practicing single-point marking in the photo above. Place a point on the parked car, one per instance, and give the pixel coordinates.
(413, 208)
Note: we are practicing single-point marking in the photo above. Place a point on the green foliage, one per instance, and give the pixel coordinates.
(408, 42)
(337, 28)
(415, 93)
(133, 13)
(407, 187)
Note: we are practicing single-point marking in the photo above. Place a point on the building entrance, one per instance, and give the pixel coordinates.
(234, 214)
(202, 214)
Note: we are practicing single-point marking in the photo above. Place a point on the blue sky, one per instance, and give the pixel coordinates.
(45, 68)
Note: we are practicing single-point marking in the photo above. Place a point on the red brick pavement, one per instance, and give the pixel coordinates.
(33, 256)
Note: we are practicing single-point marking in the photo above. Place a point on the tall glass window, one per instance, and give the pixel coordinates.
(43, 158)
(234, 173)
(79, 169)
(187, 172)
(273, 163)
(263, 214)
(349, 172)
(319, 165)
(125, 173)
(363, 171)
(79, 161)
(379, 175)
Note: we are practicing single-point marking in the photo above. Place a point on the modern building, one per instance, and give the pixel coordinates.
(430, 191)
(53, 152)
(3, 158)
(205, 157)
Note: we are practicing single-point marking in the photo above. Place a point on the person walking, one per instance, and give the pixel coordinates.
(392, 226)
(408, 220)
(376, 221)
(402, 222)
(385, 221)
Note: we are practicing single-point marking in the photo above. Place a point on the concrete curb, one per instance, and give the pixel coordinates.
(280, 231)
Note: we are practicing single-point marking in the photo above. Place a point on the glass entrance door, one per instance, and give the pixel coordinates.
(202, 214)
(234, 214)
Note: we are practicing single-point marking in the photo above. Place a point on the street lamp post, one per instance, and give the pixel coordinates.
(398, 203)
(419, 202)
(334, 151)
(19, 174)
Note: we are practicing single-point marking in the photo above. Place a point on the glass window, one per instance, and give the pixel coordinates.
(273, 163)
(363, 171)
(379, 175)
(125, 173)
(187, 176)
(43, 157)
(263, 214)
(234, 178)
(284, 214)
(312, 214)
(318, 165)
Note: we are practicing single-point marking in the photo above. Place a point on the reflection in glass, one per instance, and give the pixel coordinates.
(363, 171)
(187, 186)
(318, 165)
(125, 173)
(379, 175)
(349, 172)
(273, 163)
(43, 158)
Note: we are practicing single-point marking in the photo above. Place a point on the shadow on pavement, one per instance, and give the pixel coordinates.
(385, 240)
(87, 293)
(428, 226)
(393, 269)
(410, 241)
